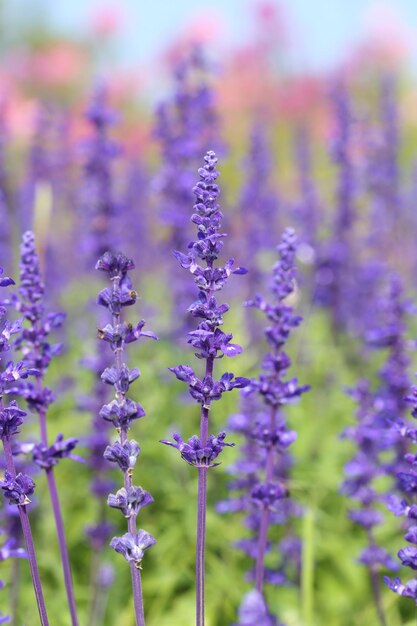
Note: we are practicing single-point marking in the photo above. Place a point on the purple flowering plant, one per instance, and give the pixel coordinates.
(121, 412)
(210, 343)
(17, 487)
(262, 471)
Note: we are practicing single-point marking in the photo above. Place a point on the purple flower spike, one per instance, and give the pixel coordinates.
(263, 470)
(99, 210)
(254, 611)
(186, 127)
(122, 411)
(209, 342)
(17, 487)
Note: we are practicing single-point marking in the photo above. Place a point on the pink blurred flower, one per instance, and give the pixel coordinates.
(205, 27)
(387, 41)
(19, 116)
(60, 64)
(107, 19)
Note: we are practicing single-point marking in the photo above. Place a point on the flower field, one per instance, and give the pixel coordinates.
(219, 222)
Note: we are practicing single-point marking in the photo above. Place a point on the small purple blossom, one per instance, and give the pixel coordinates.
(254, 611)
(125, 455)
(129, 501)
(48, 457)
(195, 453)
(133, 546)
(17, 490)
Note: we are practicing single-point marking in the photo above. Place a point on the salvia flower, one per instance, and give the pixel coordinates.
(37, 351)
(406, 508)
(380, 429)
(254, 611)
(99, 225)
(133, 546)
(209, 342)
(122, 411)
(186, 127)
(261, 474)
(17, 487)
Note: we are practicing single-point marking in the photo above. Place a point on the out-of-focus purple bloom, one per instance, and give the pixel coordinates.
(335, 259)
(47, 457)
(379, 433)
(258, 206)
(9, 551)
(262, 472)
(99, 226)
(254, 611)
(402, 507)
(186, 127)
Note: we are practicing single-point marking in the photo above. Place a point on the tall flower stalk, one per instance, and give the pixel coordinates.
(37, 354)
(186, 126)
(262, 472)
(17, 487)
(276, 391)
(380, 446)
(211, 343)
(121, 411)
(407, 507)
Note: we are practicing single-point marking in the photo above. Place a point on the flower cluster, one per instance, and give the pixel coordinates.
(33, 340)
(97, 202)
(16, 487)
(38, 352)
(122, 410)
(380, 446)
(254, 611)
(209, 341)
(197, 454)
(262, 471)
(186, 127)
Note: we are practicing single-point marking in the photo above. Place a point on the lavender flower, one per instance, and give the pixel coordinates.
(334, 268)
(17, 487)
(186, 126)
(379, 433)
(254, 611)
(209, 342)
(401, 507)
(99, 208)
(307, 210)
(37, 354)
(262, 471)
(132, 546)
(122, 411)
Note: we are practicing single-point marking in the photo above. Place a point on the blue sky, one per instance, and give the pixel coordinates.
(322, 30)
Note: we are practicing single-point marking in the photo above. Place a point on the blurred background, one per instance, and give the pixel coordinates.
(106, 110)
